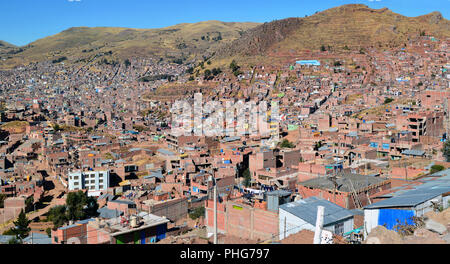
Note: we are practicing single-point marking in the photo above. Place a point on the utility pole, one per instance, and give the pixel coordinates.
(215, 214)
(319, 224)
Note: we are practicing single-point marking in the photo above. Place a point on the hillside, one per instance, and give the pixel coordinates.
(182, 41)
(353, 25)
(6, 47)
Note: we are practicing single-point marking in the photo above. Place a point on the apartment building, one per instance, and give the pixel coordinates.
(89, 180)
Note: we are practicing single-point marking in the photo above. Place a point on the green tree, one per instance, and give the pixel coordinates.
(446, 151)
(286, 144)
(197, 213)
(127, 63)
(436, 168)
(29, 202)
(49, 232)
(388, 100)
(21, 229)
(2, 200)
(57, 215)
(75, 203)
(207, 74)
(79, 206)
(247, 178)
(322, 48)
(91, 207)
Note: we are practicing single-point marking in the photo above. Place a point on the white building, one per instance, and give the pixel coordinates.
(93, 181)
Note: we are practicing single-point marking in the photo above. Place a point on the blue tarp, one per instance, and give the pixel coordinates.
(161, 231)
(390, 216)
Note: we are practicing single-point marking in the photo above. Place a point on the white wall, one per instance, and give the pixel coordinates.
(293, 224)
(370, 220)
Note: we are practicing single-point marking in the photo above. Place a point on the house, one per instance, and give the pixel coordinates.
(405, 204)
(143, 228)
(348, 190)
(302, 214)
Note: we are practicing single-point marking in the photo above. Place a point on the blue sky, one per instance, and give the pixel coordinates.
(24, 21)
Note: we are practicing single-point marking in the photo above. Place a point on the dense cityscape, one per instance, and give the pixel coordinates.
(88, 152)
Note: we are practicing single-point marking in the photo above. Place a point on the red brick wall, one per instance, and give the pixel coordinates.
(243, 221)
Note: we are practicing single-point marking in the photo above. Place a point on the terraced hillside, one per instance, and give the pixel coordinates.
(350, 26)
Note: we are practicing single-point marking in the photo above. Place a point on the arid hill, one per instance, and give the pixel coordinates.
(182, 41)
(346, 27)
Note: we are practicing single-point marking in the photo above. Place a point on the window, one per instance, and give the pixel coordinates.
(101, 187)
(339, 228)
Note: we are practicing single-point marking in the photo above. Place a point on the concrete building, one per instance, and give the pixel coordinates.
(93, 181)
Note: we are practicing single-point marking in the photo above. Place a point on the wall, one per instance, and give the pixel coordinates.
(242, 221)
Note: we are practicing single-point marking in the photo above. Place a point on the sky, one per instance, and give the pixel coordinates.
(24, 21)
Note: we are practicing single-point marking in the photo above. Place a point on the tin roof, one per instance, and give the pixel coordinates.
(307, 210)
(430, 189)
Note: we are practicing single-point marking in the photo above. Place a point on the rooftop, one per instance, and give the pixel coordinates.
(431, 188)
(115, 228)
(306, 209)
(345, 182)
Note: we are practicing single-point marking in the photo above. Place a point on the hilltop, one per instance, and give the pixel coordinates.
(182, 41)
(6, 47)
(348, 27)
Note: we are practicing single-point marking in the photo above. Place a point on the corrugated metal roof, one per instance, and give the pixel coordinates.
(166, 152)
(307, 210)
(419, 194)
(413, 152)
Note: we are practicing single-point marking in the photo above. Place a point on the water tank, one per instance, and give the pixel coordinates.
(133, 221)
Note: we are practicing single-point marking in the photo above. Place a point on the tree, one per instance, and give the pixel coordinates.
(29, 202)
(79, 206)
(21, 229)
(322, 48)
(197, 213)
(207, 74)
(75, 203)
(286, 144)
(57, 215)
(2, 200)
(388, 100)
(127, 63)
(49, 232)
(446, 151)
(91, 207)
(247, 178)
(234, 66)
(436, 168)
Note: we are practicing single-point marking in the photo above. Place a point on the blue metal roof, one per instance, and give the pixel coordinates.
(37, 238)
(420, 194)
